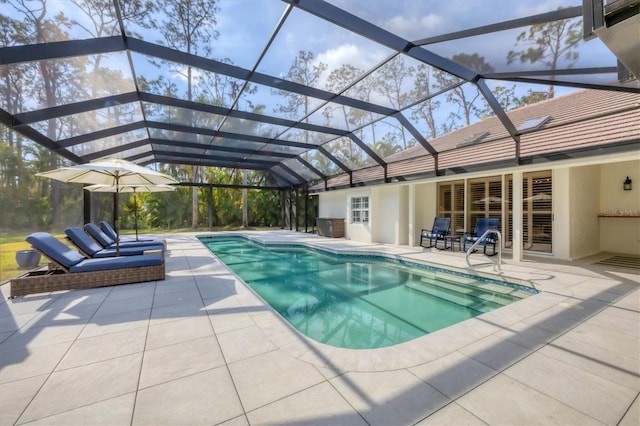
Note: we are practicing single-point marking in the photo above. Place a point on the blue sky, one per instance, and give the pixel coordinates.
(245, 26)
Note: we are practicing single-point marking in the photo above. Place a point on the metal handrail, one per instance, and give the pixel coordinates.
(479, 240)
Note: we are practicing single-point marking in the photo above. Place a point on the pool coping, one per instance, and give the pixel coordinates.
(409, 354)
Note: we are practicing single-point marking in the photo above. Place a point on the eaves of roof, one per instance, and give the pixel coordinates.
(583, 119)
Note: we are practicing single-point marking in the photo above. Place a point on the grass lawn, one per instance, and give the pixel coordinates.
(8, 248)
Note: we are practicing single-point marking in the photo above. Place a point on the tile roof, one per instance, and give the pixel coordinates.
(583, 119)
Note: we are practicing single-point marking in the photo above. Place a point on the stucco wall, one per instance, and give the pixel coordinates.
(561, 244)
(336, 204)
(584, 196)
(619, 235)
(333, 204)
(402, 235)
(580, 195)
(425, 208)
(391, 207)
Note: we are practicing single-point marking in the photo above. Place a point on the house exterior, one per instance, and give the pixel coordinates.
(559, 192)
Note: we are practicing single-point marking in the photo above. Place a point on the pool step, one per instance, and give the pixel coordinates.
(443, 276)
(506, 290)
(467, 291)
(468, 284)
(469, 301)
(479, 293)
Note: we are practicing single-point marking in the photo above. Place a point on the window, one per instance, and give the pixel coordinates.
(360, 210)
(472, 139)
(451, 204)
(484, 200)
(533, 124)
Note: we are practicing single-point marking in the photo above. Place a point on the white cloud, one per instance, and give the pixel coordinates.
(348, 54)
(416, 26)
(343, 54)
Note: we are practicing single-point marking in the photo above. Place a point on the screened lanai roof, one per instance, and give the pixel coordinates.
(293, 91)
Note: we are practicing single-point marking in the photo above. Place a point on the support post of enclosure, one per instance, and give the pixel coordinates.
(86, 206)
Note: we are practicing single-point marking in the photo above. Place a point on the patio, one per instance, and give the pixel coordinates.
(201, 348)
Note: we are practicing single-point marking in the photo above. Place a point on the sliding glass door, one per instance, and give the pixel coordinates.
(484, 200)
(451, 204)
(485, 197)
(537, 212)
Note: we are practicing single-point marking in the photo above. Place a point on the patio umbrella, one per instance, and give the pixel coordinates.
(114, 172)
(131, 188)
(543, 196)
(488, 200)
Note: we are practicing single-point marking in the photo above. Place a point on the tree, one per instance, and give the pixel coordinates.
(390, 83)
(353, 118)
(190, 27)
(338, 79)
(506, 97)
(532, 97)
(422, 86)
(101, 21)
(387, 146)
(303, 70)
(549, 43)
(54, 82)
(320, 162)
(12, 31)
(346, 152)
(463, 96)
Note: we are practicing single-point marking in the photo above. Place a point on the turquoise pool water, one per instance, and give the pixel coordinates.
(359, 301)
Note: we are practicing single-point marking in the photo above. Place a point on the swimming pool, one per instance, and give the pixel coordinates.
(359, 301)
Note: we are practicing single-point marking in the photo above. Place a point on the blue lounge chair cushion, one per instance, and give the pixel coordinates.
(86, 244)
(54, 249)
(103, 239)
(82, 240)
(107, 229)
(107, 242)
(109, 263)
(111, 233)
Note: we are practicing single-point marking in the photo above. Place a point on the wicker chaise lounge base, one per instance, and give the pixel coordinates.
(56, 279)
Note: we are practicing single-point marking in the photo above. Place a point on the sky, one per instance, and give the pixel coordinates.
(244, 27)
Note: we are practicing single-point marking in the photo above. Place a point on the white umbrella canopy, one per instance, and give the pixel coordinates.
(488, 200)
(115, 172)
(539, 197)
(109, 172)
(131, 188)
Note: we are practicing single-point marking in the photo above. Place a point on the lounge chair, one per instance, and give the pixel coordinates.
(438, 231)
(91, 249)
(107, 242)
(483, 224)
(71, 270)
(111, 233)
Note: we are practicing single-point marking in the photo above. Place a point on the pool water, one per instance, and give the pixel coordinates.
(359, 302)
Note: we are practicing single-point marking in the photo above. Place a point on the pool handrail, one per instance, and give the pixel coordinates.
(479, 240)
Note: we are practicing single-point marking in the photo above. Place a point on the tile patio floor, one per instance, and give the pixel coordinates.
(201, 348)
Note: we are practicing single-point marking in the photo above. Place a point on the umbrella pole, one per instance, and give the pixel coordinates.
(135, 211)
(116, 220)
